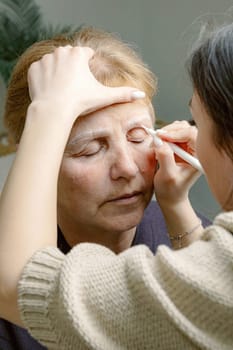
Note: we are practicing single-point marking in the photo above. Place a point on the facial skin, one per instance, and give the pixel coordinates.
(217, 165)
(106, 176)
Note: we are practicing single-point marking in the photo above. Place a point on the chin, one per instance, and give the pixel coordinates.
(125, 222)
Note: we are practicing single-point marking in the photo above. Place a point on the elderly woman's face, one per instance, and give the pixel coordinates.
(106, 176)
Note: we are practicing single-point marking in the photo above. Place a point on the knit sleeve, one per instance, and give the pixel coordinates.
(93, 299)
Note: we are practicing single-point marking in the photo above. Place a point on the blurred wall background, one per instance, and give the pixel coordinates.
(163, 31)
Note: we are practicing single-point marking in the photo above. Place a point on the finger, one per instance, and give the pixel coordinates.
(33, 78)
(88, 52)
(177, 124)
(166, 159)
(83, 50)
(183, 134)
(83, 53)
(125, 94)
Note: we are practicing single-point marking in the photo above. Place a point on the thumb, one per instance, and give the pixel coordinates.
(108, 96)
(125, 94)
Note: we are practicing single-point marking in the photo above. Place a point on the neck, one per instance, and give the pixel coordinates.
(116, 241)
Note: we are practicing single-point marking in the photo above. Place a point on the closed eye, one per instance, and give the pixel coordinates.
(137, 135)
(90, 149)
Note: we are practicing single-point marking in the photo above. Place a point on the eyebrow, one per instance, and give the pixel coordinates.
(137, 122)
(87, 135)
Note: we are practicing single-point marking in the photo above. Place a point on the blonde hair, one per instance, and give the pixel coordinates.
(114, 63)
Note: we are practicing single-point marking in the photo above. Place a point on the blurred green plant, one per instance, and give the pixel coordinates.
(21, 25)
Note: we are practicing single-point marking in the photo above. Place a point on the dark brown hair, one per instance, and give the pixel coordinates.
(211, 70)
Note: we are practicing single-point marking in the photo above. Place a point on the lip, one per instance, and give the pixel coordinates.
(127, 198)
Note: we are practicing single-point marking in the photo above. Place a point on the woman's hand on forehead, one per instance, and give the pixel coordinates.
(63, 80)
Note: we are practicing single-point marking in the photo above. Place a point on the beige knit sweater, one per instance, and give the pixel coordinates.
(93, 299)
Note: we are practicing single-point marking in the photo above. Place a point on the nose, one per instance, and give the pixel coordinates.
(123, 164)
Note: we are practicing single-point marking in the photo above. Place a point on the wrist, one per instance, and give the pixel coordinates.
(183, 224)
(51, 112)
(46, 131)
(180, 240)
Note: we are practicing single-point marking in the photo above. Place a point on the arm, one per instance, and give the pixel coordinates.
(29, 198)
(100, 300)
(172, 183)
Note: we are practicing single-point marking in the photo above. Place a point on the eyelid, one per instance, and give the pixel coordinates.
(75, 148)
(136, 134)
(137, 129)
(79, 150)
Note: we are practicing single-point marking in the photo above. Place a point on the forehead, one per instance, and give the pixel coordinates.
(124, 113)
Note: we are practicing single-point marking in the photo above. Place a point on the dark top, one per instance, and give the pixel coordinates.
(151, 231)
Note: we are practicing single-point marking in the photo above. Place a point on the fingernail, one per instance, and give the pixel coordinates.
(138, 94)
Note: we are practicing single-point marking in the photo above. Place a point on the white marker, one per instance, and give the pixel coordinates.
(177, 150)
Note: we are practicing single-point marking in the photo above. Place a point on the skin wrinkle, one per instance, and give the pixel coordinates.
(135, 134)
(137, 122)
(123, 163)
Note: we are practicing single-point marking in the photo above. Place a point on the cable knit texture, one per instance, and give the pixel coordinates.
(93, 299)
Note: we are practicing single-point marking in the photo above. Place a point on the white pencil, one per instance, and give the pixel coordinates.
(177, 150)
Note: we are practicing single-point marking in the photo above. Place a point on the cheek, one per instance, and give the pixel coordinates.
(75, 179)
(200, 148)
(147, 161)
(206, 153)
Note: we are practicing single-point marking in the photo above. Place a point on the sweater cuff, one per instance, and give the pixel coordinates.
(36, 287)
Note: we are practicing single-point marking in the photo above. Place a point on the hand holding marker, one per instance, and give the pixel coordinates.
(177, 150)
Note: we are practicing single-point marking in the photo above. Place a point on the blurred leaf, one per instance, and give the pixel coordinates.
(6, 68)
(21, 25)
